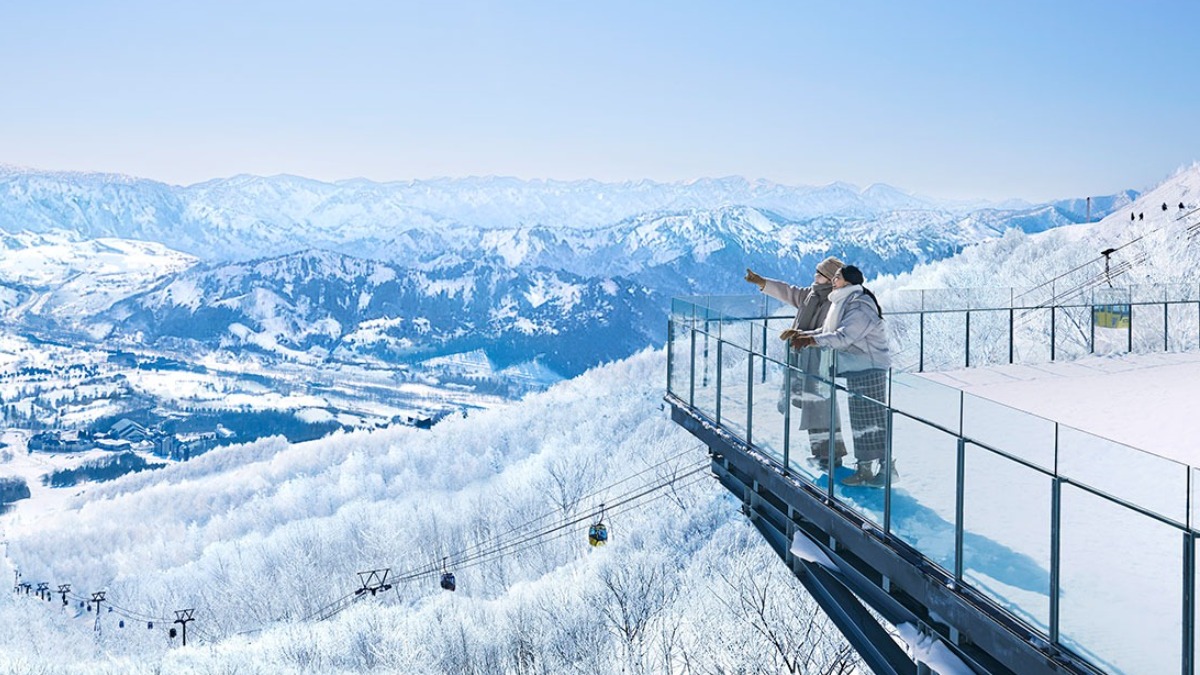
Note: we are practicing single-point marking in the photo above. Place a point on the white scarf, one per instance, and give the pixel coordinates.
(838, 298)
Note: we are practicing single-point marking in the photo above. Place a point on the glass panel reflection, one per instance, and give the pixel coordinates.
(734, 389)
(989, 337)
(1149, 481)
(1031, 335)
(704, 384)
(680, 367)
(1013, 431)
(770, 402)
(921, 397)
(1006, 537)
(923, 495)
(811, 416)
(1120, 601)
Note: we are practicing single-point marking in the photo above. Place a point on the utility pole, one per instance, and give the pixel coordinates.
(43, 590)
(1089, 209)
(64, 589)
(16, 581)
(182, 617)
(97, 598)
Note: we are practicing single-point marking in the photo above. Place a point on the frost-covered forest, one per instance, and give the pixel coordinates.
(260, 537)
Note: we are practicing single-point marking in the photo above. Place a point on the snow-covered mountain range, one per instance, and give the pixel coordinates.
(571, 273)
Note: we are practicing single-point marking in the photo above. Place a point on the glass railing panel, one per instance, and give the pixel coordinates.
(988, 337)
(925, 399)
(682, 311)
(1072, 332)
(811, 415)
(1006, 533)
(923, 495)
(1183, 324)
(741, 334)
(1110, 328)
(734, 395)
(1031, 335)
(1121, 599)
(864, 420)
(945, 340)
(679, 364)
(904, 336)
(769, 404)
(704, 375)
(1154, 483)
(1148, 328)
(1012, 431)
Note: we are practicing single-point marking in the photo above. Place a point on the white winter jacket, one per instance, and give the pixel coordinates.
(854, 328)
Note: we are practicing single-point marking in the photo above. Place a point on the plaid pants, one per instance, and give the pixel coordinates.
(868, 419)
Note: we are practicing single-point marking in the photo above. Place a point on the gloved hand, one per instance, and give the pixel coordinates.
(802, 341)
(788, 334)
(754, 278)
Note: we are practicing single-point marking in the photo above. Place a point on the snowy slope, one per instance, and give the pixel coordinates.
(247, 534)
(1156, 247)
(61, 276)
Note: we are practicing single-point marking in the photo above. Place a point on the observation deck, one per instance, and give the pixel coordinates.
(1008, 542)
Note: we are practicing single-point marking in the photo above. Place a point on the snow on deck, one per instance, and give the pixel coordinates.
(1148, 401)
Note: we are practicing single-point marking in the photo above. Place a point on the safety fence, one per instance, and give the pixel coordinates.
(1088, 542)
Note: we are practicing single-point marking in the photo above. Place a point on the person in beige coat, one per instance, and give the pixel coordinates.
(812, 305)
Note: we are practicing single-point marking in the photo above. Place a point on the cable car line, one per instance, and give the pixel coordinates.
(479, 553)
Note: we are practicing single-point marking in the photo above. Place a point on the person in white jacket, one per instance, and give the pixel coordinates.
(854, 327)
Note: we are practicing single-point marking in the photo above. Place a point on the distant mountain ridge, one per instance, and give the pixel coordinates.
(567, 273)
(248, 216)
(328, 306)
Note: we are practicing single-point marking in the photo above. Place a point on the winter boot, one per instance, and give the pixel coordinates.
(880, 478)
(863, 476)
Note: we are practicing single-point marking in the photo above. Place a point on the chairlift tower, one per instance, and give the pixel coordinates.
(182, 617)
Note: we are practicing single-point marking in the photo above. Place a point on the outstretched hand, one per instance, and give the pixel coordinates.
(754, 278)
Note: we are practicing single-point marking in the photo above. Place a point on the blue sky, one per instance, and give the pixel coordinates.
(950, 99)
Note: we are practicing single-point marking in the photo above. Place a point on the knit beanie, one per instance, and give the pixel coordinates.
(830, 266)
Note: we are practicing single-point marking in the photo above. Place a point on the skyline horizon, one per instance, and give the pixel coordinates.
(12, 167)
(1026, 100)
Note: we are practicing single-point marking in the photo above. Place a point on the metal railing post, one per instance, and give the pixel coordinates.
(1092, 336)
(692, 369)
(888, 451)
(720, 376)
(1166, 327)
(750, 397)
(959, 507)
(670, 352)
(787, 410)
(1053, 332)
(1129, 330)
(968, 339)
(1055, 543)
(833, 420)
(1189, 603)
(921, 343)
(1011, 333)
